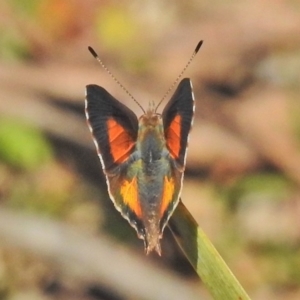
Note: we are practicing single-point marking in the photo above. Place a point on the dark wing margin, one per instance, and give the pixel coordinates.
(113, 125)
(177, 119)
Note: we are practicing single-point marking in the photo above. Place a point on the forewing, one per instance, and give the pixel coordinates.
(113, 125)
(177, 119)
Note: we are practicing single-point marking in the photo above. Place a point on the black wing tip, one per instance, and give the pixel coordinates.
(95, 87)
(198, 46)
(93, 52)
(91, 86)
(185, 80)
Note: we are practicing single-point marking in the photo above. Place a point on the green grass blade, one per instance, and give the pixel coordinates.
(204, 258)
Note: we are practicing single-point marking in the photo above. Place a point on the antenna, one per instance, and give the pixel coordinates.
(181, 73)
(93, 52)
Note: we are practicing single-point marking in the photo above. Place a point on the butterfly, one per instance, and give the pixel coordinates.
(142, 158)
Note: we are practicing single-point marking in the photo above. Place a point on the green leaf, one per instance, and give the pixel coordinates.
(204, 258)
(23, 146)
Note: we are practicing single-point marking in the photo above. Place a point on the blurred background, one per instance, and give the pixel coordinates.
(243, 166)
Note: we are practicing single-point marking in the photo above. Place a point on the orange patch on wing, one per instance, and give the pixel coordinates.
(173, 136)
(168, 192)
(129, 192)
(120, 141)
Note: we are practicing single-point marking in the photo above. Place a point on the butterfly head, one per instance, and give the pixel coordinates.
(150, 118)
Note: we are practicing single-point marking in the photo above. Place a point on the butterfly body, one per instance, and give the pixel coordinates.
(143, 159)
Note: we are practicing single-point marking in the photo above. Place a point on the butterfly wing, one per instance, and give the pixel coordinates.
(113, 125)
(114, 128)
(177, 119)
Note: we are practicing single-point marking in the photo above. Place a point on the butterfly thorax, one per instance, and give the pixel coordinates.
(151, 140)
